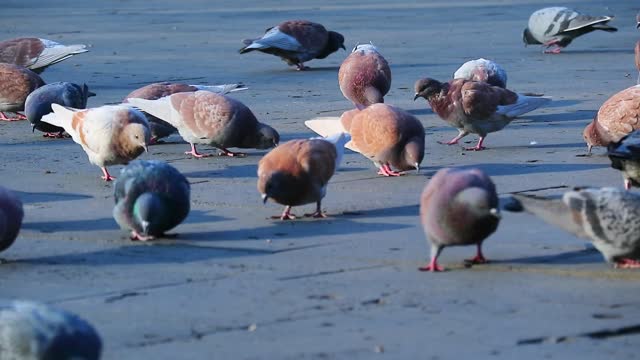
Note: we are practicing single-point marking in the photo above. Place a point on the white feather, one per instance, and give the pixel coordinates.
(55, 52)
(160, 108)
(328, 127)
(276, 39)
(523, 105)
(221, 89)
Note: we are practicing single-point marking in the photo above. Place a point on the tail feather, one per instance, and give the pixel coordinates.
(339, 140)
(222, 89)
(523, 105)
(55, 54)
(160, 108)
(329, 127)
(61, 117)
(551, 210)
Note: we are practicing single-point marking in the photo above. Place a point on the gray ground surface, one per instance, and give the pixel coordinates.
(237, 285)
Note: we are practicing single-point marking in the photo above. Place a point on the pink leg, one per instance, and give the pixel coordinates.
(54, 135)
(300, 67)
(153, 140)
(4, 117)
(385, 170)
(455, 140)
(433, 264)
(627, 184)
(627, 264)
(226, 152)
(478, 146)
(551, 42)
(479, 258)
(139, 237)
(195, 152)
(555, 50)
(106, 176)
(286, 214)
(318, 213)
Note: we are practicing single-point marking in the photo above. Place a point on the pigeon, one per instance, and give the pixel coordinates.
(109, 134)
(297, 172)
(638, 20)
(16, 83)
(203, 117)
(636, 50)
(38, 104)
(364, 76)
(458, 207)
(482, 70)
(616, 118)
(151, 197)
(296, 41)
(609, 217)
(160, 128)
(625, 156)
(37, 54)
(35, 331)
(11, 215)
(556, 27)
(475, 107)
(387, 135)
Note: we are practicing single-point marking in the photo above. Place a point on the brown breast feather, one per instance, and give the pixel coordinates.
(16, 83)
(358, 71)
(620, 114)
(312, 36)
(21, 51)
(375, 130)
(480, 100)
(318, 158)
(158, 90)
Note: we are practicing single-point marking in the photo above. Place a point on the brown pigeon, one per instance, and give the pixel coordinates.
(16, 83)
(364, 76)
(458, 207)
(296, 41)
(617, 117)
(297, 172)
(625, 156)
(110, 134)
(36, 54)
(11, 215)
(387, 135)
(475, 107)
(203, 117)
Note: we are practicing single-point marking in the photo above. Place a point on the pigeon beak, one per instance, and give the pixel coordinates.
(344, 48)
(145, 227)
(146, 148)
(416, 97)
(33, 128)
(589, 146)
(265, 197)
(417, 166)
(495, 212)
(90, 94)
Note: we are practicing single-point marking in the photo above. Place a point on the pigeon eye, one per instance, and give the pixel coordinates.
(137, 137)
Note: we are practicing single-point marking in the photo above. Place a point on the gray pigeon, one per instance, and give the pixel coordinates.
(609, 217)
(364, 76)
(38, 104)
(625, 156)
(482, 70)
(11, 215)
(151, 197)
(33, 331)
(556, 27)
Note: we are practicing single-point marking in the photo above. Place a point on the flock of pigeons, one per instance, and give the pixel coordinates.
(457, 206)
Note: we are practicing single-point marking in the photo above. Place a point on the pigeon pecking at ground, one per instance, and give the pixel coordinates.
(16, 83)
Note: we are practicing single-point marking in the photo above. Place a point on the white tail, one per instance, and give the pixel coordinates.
(55, 52)
(524, 105)
(61, 117)
(328, 127)
(160, 108)
(222, 89)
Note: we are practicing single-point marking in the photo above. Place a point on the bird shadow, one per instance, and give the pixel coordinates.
(323, 68)
(561, 103)
(38, 197)
(569, 116)
(236, 171)
(584, 256)
(404, 210)
(494, 169)
(413, 65)
(598, 51)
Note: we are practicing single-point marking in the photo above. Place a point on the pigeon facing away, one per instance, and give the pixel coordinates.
(16, 83)
(609, 217)
(364, 76)
(625, 156)
(616, 118)
(38, 104)
(160, 128)
(203, 117)
(557, 27)
(475, 107)
(458, 207)
(297, 172)
(33, 331)
(482, 70)
(296, 41)
(151, 197)
(110, 134)
(36, 54)
(387, 135)
(11, 215)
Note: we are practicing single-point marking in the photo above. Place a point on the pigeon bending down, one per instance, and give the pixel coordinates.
(34, 331)
(160, 128)
(109, 134)
(475, 107)
(11, 215)
(151, 197)
(38, 104)
(556, 27)
(387, 135)
(364, 76)
(458, 207)
(16, 83)
(625, 156)
(482, 70)
(296, 41)
(609, 217)
(37, 54)
(297, 172)
(616, 118)
(203, 117)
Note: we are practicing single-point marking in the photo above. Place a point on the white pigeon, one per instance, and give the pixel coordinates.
(482, 70)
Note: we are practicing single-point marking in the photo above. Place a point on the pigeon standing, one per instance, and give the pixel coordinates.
(609, 217)
(203, 117)
(364, 76)
(475, 107)
(387, 135)
(297, 172)
(616, 118)
(296, 41)
(16, 83)
(458, 207)
(152, 197)
(161, 128)
(556, 27)
(11, 214)
(38, 104)
(110, 134)
(625, 156)
(482, 70)
(34, 331)
(36, 54)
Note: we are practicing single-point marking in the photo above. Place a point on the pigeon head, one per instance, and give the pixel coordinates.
(592, 136)
(278, 185)
(412, 154)
(427, 88)
(86, 94)
(335, 42)
(479, 202)
(151, 213)
(136, 138)
(528, 39)
(267, 137)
